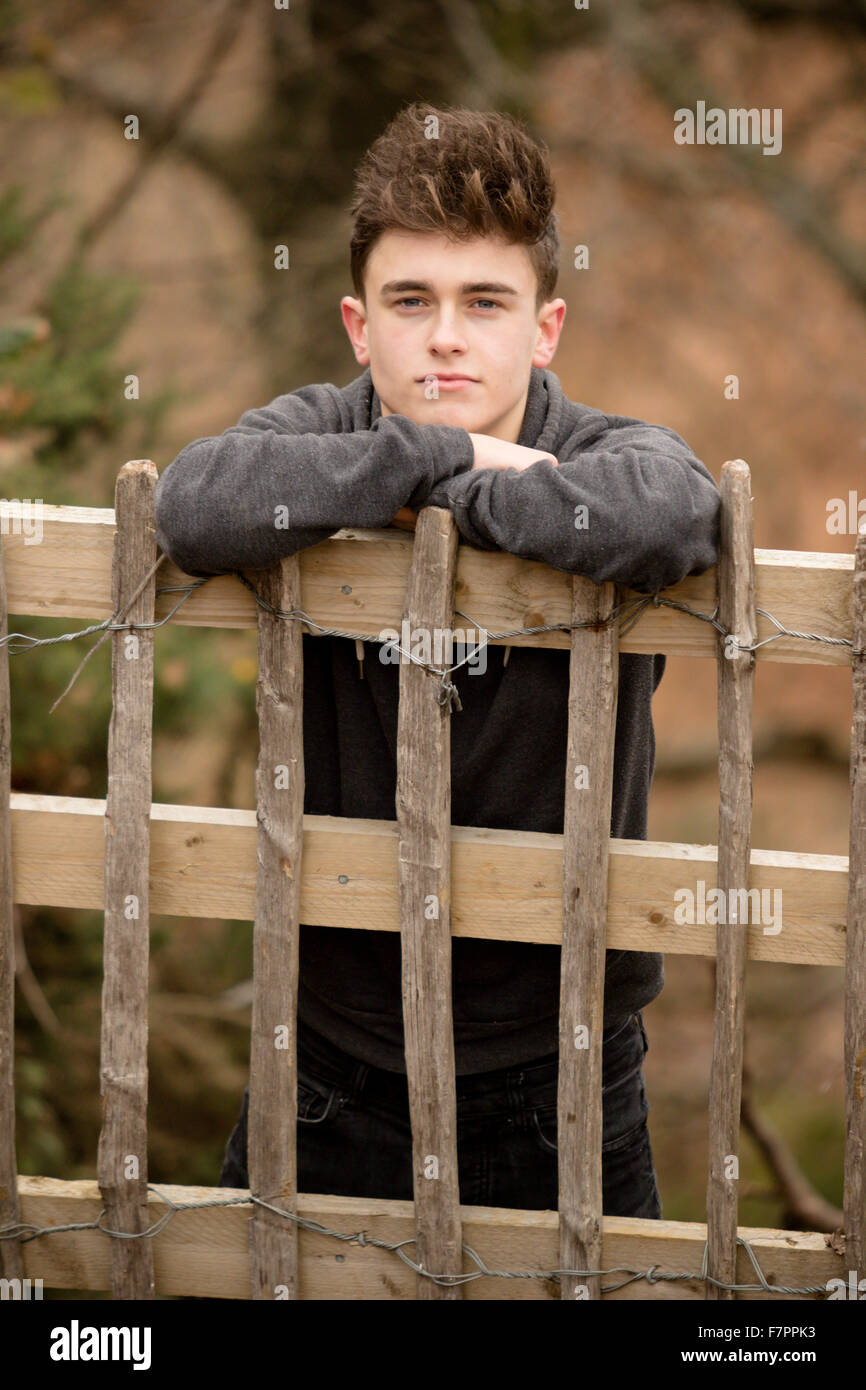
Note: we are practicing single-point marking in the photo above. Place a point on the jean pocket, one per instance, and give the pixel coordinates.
(319, 1102)
(543, 1128)
(630, 1108)
(624, 1141)
(624, 1057)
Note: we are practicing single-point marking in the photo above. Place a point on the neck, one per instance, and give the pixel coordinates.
(508, 428)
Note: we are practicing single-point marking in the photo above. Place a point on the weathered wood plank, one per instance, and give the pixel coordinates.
(592, 699)
(11, 1266)
(122, 1152)
(854, 1201)
(736, 674)
(68, 575)
(272, 1142)
(506, 885)
(424, 880)
(205, 1253)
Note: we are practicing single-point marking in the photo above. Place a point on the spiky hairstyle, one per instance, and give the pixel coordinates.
(462, 173)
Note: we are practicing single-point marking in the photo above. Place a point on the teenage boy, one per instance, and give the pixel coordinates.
(454, 258)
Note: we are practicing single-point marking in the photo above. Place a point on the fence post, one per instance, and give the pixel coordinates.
(592, 699)
(424, 885)
(122, 1150)
(736, 679)
(11, 1258)
(272, 1159)
(854, 1200)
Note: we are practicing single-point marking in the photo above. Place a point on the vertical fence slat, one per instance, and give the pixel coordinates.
(424, 882)
(854, 1200)
(122, 1151)
(11, 1261)
(592, 698)
(736, 678)
(272, 1131)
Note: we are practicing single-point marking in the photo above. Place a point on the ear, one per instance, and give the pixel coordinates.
(551, 317)
(355, 324)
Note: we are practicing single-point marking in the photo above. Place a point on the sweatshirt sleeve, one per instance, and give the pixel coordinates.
(289, 475)
(630, 504)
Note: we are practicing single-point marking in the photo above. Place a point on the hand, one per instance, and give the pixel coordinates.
(498, 453)
(489, 453)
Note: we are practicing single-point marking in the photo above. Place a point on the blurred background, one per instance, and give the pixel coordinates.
(155, 256)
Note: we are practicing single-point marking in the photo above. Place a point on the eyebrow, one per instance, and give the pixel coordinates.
(476, 287)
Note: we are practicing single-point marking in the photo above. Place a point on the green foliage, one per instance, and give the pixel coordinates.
(29, 91)
(62, 387)
(17, 226)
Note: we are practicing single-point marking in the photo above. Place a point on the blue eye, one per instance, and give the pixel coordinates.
(413, 299)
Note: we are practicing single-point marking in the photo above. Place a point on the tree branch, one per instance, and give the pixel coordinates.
(161, 127)
(672, 73)
(805, 1208)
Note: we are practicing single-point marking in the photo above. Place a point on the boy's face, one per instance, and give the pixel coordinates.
(450, 330)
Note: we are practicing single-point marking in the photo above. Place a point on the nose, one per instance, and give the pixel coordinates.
(446, 335)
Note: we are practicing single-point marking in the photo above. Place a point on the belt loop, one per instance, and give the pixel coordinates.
(516, 1095)
(358, 1082)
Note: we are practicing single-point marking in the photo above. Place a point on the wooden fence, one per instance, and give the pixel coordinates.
(277, 867)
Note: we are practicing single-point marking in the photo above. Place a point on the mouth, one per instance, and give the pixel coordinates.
(448, 381)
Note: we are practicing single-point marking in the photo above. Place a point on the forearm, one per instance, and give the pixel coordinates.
(645, 517)
(249, 497)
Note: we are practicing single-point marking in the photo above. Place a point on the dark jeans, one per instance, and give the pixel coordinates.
(354, 1138)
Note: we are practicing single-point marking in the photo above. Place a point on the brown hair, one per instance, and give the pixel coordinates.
(480, 174)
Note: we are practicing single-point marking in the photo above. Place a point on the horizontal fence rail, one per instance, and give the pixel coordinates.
(204, 1252)
(506, 884)
(582, 890)
(69, 575)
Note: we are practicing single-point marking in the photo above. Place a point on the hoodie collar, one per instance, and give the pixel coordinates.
(542, 417)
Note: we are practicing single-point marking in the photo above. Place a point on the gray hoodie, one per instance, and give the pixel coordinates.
(328, 456)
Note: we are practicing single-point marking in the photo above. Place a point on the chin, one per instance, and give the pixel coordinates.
(447, 411)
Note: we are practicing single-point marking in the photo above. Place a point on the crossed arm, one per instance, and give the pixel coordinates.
(623, 500)
(637, 508)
